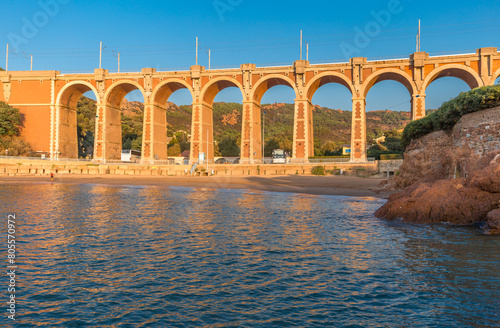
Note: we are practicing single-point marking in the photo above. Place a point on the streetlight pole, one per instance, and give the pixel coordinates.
(7, 60)
(196, 51)
(301, 45)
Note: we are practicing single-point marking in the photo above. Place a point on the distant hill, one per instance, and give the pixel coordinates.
(132, 108)
(331, 126)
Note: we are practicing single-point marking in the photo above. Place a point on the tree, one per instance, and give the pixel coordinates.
(10, 120)
(137, 143)
(270, 145)
(228, 147)
(85, 143)
(391, 145)
(85, 119)
(15, 146)
(174, 150)
(10, 124)
(331, 148)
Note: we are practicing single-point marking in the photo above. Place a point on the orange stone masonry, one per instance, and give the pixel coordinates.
(47, 100)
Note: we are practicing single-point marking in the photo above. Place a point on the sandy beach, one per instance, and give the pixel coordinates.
(314, 185)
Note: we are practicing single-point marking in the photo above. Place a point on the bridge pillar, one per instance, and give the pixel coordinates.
(358, 130)
(99, 134)
(251, 132)
(154, 134)
(202, 131)
(303, 141)
(108, 138)
(67, 139)
(417, 107)
(486, 64)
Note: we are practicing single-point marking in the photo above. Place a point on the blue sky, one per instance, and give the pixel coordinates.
(162, 34)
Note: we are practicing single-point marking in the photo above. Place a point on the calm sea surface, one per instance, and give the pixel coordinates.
(123, 256)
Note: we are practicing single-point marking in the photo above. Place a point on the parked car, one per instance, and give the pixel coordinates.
(221, 161)
(236, 161)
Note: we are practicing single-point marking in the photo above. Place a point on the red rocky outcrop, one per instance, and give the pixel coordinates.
(451, 177)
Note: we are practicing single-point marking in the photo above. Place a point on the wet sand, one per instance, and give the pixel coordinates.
(314, 185)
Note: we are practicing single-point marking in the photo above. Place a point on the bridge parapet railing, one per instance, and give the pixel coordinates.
(46, 159)
(370, 160)
(229, 161)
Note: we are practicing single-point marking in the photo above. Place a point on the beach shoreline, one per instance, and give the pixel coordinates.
(313, 185)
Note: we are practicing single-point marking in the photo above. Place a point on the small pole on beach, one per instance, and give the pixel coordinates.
(263, 142)
(207, 152)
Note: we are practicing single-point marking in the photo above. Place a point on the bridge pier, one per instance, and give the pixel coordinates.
(417, 107)
(358, 130)
(154, 135)
(99, 134)
(251, 132)
(67, 139)
(202, 131)
(303, 141)
(112, 133)
(108, 136)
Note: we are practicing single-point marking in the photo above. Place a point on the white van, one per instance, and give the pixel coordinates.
(131, 156)
(279, 156)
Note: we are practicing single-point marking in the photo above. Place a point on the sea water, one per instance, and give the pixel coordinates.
(137, 256)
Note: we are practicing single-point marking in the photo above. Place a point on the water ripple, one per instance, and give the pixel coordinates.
(109, 256)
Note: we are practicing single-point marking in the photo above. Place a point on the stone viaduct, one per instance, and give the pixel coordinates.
(48, 100)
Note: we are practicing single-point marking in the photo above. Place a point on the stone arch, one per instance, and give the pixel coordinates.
(324, 78)
(495, 76)
(109, 125)
(69, 95)
(389, 74)
(65, 127)
(462, 72)
(269, 81)
(118, 90)
(165, 89)
(210, 91)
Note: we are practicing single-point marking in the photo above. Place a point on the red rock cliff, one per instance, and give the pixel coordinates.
(452, 176)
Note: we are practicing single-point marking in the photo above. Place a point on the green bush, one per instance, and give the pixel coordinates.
(451, 111)
(15, 146)
(330, 157)
(318, 170)
(377, 154)
(390, 157)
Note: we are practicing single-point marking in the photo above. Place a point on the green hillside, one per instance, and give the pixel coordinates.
(332, 128)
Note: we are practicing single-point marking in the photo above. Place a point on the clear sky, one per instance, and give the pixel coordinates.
(161, 34)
